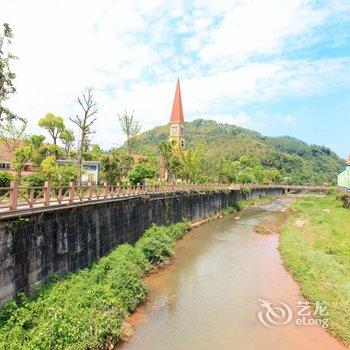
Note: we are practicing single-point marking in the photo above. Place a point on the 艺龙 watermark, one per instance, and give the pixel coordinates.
(272, 315)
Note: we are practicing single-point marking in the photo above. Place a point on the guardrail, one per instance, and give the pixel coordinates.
(20, 198)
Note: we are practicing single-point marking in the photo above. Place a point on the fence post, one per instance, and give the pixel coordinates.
(71, 192)
(31, 197)
(13, 195)
(105, 185)
(118, 189)
(89, 184)
(47, 193)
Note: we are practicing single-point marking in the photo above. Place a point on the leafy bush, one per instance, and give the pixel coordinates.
(330, 191)
(238, 205)
(87, 309)
(35, 180)
(141, 171)
(228, 210)
(157, 243)
(5, 179)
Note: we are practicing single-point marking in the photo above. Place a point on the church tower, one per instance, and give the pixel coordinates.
(177, 124)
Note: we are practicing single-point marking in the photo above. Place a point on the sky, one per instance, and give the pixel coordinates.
(280, 67)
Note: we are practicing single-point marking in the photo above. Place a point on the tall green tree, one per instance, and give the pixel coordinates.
(191, 161)
(6, 74)
(22, 156)
(67, 138)
(131, 129)
(53, 124)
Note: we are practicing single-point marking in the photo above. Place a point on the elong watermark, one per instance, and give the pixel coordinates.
(308, 314)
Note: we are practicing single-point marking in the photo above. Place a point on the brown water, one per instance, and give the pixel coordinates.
(208, 297)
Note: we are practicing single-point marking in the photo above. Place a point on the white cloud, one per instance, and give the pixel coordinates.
(288, 119)
(227, 54)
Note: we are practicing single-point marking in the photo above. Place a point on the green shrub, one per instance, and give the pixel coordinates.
(238, 205)
(330, 191)
(87, 309)
(5, 179)
(35, 180)
(157, 246)
(157, 243)
(228, 210)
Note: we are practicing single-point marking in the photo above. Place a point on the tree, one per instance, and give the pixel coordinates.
(131, 128)
(115, 166)
(6, 74)
(53, 124)
(84, 123)
(141, 171)
(39, 150)
(12, 132)
(95, 153)
(22, 156)
(191, 161)
(49, 167)
(67, 137)
(169, 159)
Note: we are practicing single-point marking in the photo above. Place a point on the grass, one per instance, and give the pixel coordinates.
(315, 247)
(246, 203)
(86, 310)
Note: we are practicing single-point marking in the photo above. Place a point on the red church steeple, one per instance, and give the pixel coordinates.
(177, 114)
(177, 123)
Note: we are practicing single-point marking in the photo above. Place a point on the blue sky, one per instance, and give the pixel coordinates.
(276, 66)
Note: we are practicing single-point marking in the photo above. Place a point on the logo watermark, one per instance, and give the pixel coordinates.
(308, 314)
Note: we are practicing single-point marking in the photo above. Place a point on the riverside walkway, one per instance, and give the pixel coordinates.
(18, 199)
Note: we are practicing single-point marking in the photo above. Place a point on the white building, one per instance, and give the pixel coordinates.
(91, 169)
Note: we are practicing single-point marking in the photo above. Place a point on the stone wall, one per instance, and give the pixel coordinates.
(57, 241)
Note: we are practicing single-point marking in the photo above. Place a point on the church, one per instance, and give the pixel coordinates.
(176, 130)
(177, 123)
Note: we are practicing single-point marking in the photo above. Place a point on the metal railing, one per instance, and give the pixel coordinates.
(20, 198)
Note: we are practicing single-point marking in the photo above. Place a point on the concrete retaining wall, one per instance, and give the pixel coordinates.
(63, 240)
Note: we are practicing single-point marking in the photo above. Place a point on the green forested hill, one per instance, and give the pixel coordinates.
(295, 159)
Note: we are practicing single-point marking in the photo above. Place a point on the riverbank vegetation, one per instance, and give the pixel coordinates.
(86, 310)
(246, 203)
(315, 246)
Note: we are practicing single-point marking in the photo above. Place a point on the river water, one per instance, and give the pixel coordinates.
(208, 297)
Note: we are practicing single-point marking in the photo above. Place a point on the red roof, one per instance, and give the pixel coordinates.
(177, 114)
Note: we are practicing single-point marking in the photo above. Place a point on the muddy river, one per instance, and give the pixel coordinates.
(227, 289)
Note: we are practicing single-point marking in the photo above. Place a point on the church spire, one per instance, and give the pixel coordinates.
(177, 114)
(177, 123)
(348, 161)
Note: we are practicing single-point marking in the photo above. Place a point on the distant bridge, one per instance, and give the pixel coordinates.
(16, 199)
